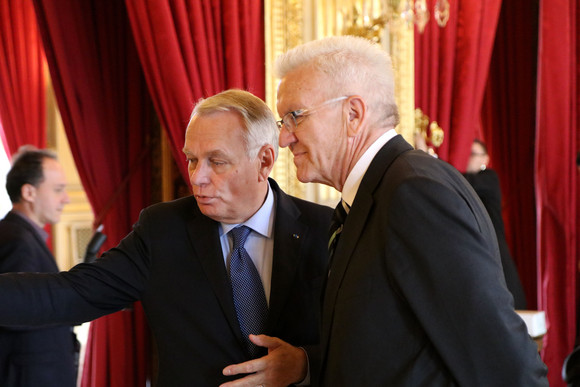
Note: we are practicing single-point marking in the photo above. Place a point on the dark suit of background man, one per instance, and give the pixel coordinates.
(485, 182)
(415, 294)
(36, 186)
(176, 258)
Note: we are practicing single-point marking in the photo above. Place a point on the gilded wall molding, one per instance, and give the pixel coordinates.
(284, 30)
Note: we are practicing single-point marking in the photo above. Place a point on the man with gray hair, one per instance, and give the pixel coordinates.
(237, 258)
(415, 294)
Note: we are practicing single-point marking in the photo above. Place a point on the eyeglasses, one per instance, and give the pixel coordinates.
(289, 119)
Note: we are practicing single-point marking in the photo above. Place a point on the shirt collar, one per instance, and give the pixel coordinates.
(355, 176)
(39, 230)
(261, 222)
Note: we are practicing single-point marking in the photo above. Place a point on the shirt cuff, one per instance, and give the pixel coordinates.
(306, 380)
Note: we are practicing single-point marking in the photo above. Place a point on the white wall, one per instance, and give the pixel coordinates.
(5, 204)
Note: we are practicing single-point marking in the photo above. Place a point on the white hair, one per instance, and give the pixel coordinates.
(353, 66)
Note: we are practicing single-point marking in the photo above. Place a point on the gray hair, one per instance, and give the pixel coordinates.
(354, 66)
(259, 123)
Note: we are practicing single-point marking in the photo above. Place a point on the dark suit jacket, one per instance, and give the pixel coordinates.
(32, 357)
(486, 185)
(415, 294)
(172, 261)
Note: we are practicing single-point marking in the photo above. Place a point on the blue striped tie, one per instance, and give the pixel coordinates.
(247, 288)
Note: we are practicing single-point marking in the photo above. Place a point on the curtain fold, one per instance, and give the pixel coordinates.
(508, 127)
(192, 49)
(22, 83)
(107, 114)
(451, 68)
(556, 176)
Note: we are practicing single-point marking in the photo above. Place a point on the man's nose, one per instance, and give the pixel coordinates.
(286, 138)
(199, 175)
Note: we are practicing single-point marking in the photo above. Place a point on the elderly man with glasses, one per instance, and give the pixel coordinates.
(415, 294)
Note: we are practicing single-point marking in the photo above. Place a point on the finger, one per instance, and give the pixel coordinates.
(248, 381)
(248, 367)
(265, 341)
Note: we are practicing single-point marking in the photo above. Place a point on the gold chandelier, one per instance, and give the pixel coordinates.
(369, 18)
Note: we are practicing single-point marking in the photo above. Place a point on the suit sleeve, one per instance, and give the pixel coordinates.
(82, 294)
(447, 268)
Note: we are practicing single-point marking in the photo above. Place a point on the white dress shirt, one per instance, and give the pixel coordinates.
(355, 176)
(260, 242)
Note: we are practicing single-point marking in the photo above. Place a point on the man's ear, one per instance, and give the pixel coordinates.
(266, 157)
(28, 192)
(357, 109)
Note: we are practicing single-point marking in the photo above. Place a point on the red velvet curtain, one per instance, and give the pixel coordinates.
(105, 107)
(451, 68)
(558, 103)
(191, 49)
(508, 128)
(22, 83)
(532, 135)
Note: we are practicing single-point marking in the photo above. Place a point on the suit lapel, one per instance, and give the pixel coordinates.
(288, 236)
(354, 226)
(206, 247)
(11, 217)
(351, 231)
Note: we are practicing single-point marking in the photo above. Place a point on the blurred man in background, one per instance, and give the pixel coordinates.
(36, 185)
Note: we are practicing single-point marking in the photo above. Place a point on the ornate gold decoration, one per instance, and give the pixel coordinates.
(442, 12)
(402, 49)
(357, 26)
(427, 135)
(437, 134)
(369, 22)
(284, 25)
(421, 14)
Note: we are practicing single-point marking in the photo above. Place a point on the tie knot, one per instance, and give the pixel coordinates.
(340, 213)
(239, 235)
